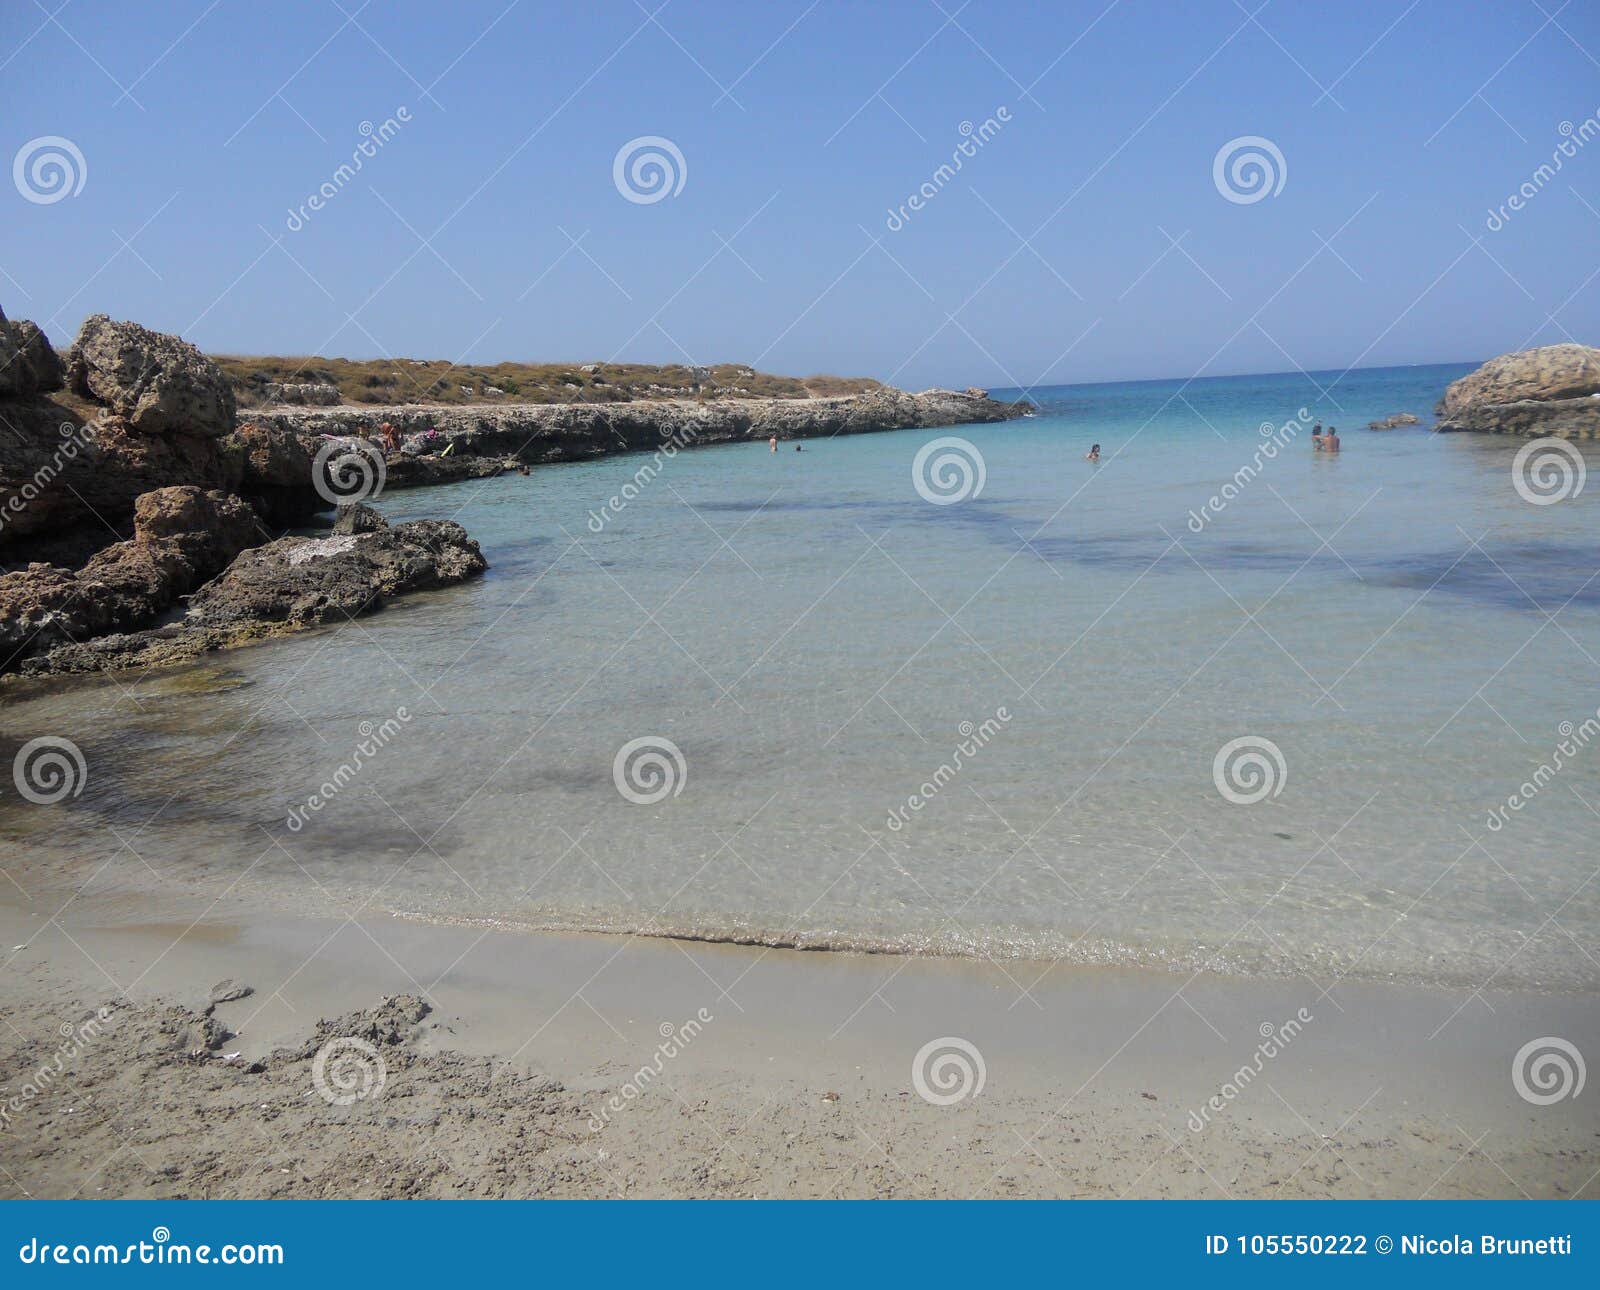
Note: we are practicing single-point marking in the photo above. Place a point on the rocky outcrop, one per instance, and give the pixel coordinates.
(286, 585)
(158, 383)
(60, 471)
(28, 365)
(1534, 392)
(311, 393)
(65, 476)
(272, 467)
(45, 372)
(305, 581)
(182, 536)
(535, 433)
(1392, 421)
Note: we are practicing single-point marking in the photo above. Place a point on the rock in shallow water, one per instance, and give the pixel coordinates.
(1545, 391)
(293, 583)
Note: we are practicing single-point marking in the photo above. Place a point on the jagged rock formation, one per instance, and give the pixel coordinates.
(156, 414)
(286, 585)
(182, 536)
(157, 383)
(1393, 420)
(1535, 392)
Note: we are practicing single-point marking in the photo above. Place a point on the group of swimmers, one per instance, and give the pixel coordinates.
(1320, 442)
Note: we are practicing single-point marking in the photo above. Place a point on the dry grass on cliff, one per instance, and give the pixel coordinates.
(409, 380)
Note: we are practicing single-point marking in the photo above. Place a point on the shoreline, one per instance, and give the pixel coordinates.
(770, 1072)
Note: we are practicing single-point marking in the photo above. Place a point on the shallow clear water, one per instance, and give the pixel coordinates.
(811, 634)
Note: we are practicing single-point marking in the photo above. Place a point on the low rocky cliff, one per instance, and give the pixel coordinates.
(535, 433)
(1550, 391)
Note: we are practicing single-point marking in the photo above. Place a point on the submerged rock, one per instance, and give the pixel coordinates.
(1393, 420)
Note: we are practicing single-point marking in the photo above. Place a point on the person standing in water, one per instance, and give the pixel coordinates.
(1330, 441)
(772, 444)
(1316, 437)
(1093, 454)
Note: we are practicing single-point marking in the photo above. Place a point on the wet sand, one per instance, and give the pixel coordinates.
(511, 1066)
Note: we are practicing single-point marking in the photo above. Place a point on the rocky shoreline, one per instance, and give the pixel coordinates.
(136, 436)
(443, 444)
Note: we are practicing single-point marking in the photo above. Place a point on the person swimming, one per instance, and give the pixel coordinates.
(798, 448)
(1093, 454)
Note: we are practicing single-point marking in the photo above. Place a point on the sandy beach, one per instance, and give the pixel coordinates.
(518, 1065)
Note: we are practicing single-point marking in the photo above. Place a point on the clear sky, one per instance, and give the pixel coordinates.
(1086, 238)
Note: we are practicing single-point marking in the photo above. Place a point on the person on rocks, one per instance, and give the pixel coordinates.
(391, 438)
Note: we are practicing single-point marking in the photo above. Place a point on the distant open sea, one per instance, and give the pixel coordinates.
(1398, 637)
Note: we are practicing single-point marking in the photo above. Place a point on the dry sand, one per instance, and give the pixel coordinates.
(507, 1060)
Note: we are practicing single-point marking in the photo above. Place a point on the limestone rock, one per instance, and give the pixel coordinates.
(1545, 391)
(159, 383)
(356, 517)
(182, 536)
(305, 581)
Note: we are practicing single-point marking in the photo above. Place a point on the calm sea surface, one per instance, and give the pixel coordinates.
(1395, 633)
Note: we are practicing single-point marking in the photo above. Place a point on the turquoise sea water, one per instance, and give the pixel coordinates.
(810, 634)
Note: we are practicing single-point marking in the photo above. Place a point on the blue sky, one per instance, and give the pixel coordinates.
(1085, 240)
